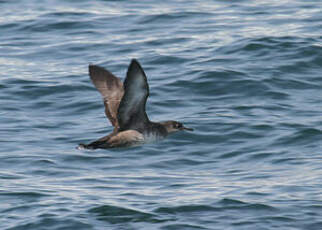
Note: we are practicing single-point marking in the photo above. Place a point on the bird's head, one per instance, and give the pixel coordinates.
(174, 126)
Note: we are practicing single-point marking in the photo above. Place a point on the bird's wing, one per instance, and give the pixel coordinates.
(111, 89)
(131, 112)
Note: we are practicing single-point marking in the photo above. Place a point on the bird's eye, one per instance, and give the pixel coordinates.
(177, 125)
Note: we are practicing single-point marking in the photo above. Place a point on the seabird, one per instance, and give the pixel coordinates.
(125, 108)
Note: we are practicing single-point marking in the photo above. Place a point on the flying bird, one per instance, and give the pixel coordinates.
(125, 108)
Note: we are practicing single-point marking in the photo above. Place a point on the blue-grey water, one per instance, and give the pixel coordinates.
(246, 75)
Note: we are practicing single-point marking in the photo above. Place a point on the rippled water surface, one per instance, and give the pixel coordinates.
(246, 75)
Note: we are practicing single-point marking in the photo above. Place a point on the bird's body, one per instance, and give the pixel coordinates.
(125, 108)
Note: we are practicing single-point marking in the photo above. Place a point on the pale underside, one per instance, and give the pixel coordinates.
(126, 138)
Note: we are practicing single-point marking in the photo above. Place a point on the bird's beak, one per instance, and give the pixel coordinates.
(186, 128)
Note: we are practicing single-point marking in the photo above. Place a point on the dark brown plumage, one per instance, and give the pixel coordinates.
(125, 108)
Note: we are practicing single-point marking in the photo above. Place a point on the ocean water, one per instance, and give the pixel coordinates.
(246, 75)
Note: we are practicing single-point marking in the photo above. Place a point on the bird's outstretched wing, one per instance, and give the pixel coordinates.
(131, 112)
(111, 89)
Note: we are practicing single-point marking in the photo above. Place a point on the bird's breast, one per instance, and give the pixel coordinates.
(154, 132)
